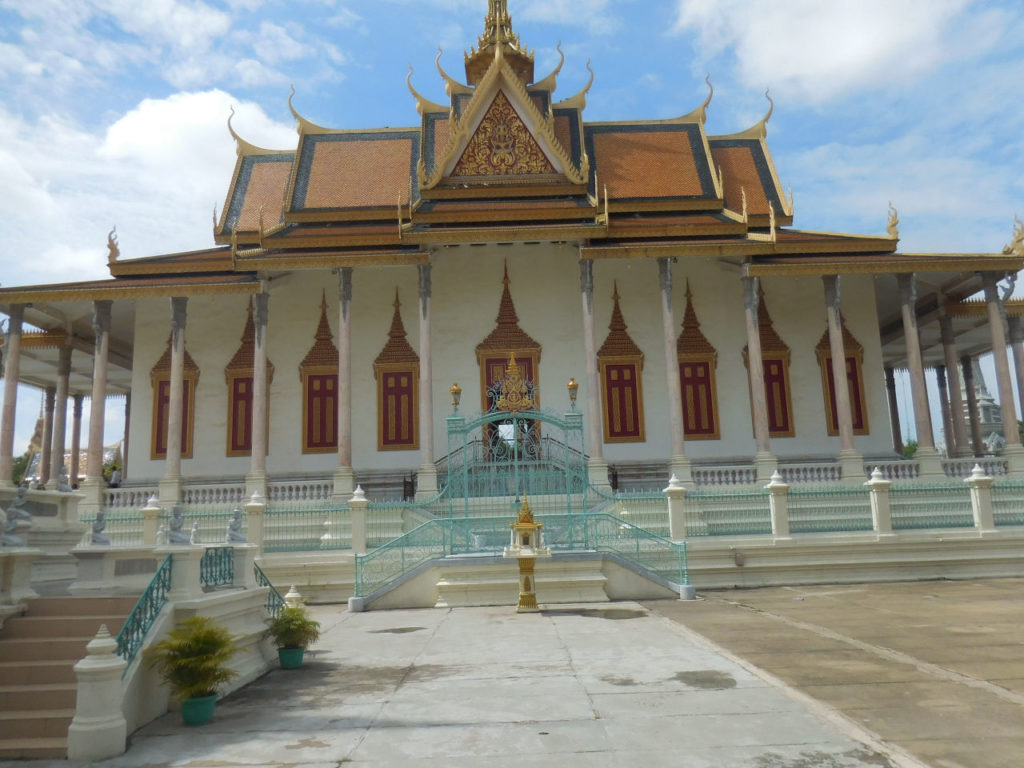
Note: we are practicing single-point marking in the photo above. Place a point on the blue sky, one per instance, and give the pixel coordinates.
(114, 111)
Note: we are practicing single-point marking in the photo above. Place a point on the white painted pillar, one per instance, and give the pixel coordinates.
(928, 458)
(981, 500)
(881, 508)
(125, 452)
(186, 578)
(98, 729)
(12, 370)
(764, 460)
(60, 413)
(343, 475)
(1015, 328)
(597, 467)
(676, 494)
(256, 481)
(894, 410)
(151, 521)
(851, 463)
(93, 485)
(956, 401)
(49, 404)
(76, 438)
(967, 369)
(778, 500)
(947, 416)
(679, 464)
(1013, 452)
(170, 484)
(426, 479)
(255, 511)
(357, 506)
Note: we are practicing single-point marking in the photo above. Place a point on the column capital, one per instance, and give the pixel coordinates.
(261, 314)
(425, 283)
(586, 277)
(665, 274)
(1015, 328)
(908, 288)
(17, 314)
(101, 316)
(832, 291)
(750, 297)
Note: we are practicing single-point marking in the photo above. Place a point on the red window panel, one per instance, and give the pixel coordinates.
(163, 400)
(777, 398)
(698, 399)
(397, 418)
(856, 396)
(241, 415)
(321, 411)
(622, 401)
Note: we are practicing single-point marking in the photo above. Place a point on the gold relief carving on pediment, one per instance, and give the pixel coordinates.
(502, 146)
(514, 397)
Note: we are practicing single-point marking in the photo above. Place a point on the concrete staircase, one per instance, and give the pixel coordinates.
(38, 651)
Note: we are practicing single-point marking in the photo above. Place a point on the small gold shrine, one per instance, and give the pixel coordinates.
(514, 397)
(526, 545)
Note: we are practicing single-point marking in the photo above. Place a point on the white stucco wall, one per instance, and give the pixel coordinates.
(467, 286)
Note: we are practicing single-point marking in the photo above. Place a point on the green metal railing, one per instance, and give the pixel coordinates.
(930, 505)
(307, 528)
(274, 600)
(123, 528)
(1008, 503)
(829, 509)
(489, 535)
(742, 512)
(217, 568)
(212, 522)
(140, 620)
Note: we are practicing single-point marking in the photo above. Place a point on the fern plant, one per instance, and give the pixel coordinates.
(293, 628)
(193, 658)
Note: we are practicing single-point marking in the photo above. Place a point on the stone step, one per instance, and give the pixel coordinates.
(53, 649)
(35, 724)
(33, 749)
(37, 672)
(81, 606)
(46, 696)
(60, 626)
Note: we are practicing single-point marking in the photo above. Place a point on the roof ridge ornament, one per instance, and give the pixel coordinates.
(893, 225)
(423, 105)
(579, 101)
(302, 124)
(113, 251)
(1016, 246)
(544, 85)
(452, 86)
(498, 39)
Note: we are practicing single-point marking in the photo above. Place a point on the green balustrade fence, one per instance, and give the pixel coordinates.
(488, 535)
(274, 602)
(141, 619)
(743, 512)
(122, 528)
(307, 528)
(930, 505)
(646, 508)
(829, 509)
(217, 567)
(210, 523)
(1008, 503)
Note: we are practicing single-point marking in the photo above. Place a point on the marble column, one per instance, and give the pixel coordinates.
(76, 439)
(125, 452)
(851, 463)
(12, 370)
(947, 416)
(597, 467)
(894, 410)
(1013, 452)
(49, 404)
(256, 480)
(426, 479)
(343, 475)
(93, 484)
(1015, 328)
(764, 460)
(960, 445)
(60, 413)
(679, 464)
(929, 462)
(170, 484)
(967, 369)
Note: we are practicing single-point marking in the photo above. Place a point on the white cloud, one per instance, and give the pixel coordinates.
(819, 51)
(276, 44)
(179, 24)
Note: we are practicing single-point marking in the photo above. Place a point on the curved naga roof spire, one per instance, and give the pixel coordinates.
(498, 36)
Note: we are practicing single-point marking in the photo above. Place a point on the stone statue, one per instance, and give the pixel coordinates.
(16, 510)
(177, 534)
(194, 536)
(62, 482)
(161, 535)
(9, 537)
(235, 534)
(98, 537)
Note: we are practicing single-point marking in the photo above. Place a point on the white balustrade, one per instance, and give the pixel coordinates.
(724, 475)
(131, 497)
(894, 470)
(810, 473)
(299, 491)
(214, 494)
(992, 466)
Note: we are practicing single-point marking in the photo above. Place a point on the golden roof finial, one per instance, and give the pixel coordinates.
(893, 225)
(498, 37)
(113, 252)
(1016, 246)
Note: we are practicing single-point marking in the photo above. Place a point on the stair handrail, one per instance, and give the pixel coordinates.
(274, 602)
(140, 620)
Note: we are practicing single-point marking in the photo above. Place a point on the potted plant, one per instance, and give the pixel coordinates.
(193, 661)
(292, 631)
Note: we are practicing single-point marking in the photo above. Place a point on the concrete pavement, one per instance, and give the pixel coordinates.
(593, 686)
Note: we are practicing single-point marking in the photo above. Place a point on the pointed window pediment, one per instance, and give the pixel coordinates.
(621, 364)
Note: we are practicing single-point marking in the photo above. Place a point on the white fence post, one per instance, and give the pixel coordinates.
(357, 509)
(676, 493)
(981, 500)
(881, 509)
(151, 521)
(255, 511)
(779, 506)
(98, 729)
(186, 583)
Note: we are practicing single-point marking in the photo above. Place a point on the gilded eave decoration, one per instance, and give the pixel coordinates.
(514, 397)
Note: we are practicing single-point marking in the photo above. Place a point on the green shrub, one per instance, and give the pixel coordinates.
(293, 628)
(193, 658)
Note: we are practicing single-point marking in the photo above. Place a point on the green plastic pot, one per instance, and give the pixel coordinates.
(198, 710)
(290, 658)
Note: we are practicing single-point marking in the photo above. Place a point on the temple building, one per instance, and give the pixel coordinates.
(643, 276)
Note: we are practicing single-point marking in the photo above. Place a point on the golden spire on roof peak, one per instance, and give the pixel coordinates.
(498, 39)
